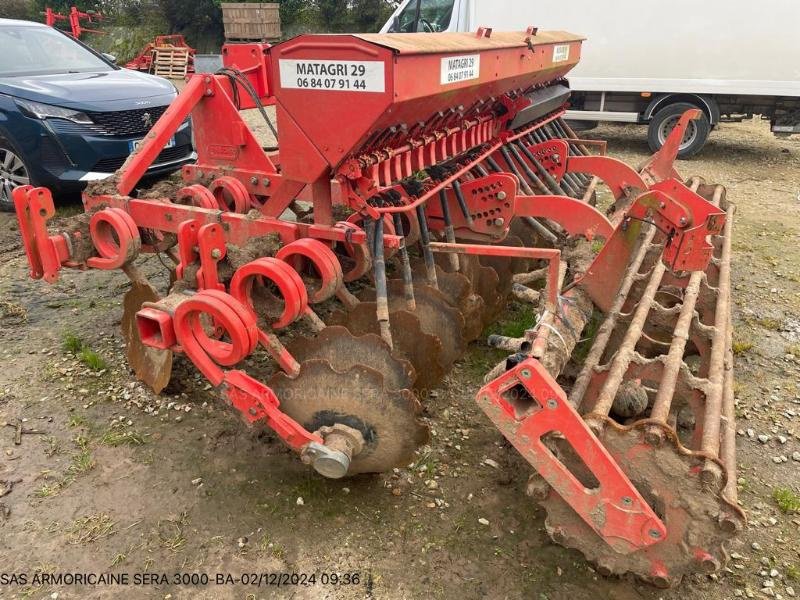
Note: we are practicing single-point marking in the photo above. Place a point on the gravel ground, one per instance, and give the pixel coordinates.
(121, 480)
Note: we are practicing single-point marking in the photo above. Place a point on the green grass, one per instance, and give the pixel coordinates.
(793, 573)
(787, 500)
(119, 436)
(769, 323)
(72, 343)
(92, 360)
(75, 345)
(740, 347)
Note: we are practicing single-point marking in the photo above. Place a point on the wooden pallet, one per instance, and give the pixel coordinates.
(172, 63)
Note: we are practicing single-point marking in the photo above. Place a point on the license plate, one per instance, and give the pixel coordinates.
(133, 145)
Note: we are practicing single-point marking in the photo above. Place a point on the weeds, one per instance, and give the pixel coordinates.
(787, 500)
(92, 359)
(90, 529)
(740, 347)
(72, 343)
(75, 345)
(52, 446)
(794, 350)
(769, 323)
(13, 311)
(119, 436)
(793, 573)
(174, 539)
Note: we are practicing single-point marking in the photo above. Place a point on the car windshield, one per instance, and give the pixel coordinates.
(44, 51)
(424, 15)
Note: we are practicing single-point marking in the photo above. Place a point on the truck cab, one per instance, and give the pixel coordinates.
(642, 66)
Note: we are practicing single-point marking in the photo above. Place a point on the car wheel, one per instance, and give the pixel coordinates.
(664, 121)
(14, 173)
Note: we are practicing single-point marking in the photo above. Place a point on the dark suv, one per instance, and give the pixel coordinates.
(69, 116)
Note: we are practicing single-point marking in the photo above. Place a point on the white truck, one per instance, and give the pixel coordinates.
(647, 62)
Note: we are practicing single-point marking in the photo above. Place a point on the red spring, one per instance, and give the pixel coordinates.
(199, 196)
(323, 261)
(115, 237)
(231, 194)
(191, 322)
(291, 288)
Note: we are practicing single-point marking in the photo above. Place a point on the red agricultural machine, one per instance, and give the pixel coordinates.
(176, 43)
(420, 182)
(75, 18)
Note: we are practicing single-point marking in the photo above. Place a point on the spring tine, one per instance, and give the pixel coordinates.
(522, 181)
(541, 230)
(528, 171)
(449, 232)
(609, 324)
(493, 164)
(381, 293)
(462, 204)
(425, 243)
(408, 283)
(548, 178)
(480, 169)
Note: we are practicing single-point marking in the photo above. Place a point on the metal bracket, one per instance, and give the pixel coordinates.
(526, 404)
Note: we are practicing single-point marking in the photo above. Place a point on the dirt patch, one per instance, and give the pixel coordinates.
(125, 481)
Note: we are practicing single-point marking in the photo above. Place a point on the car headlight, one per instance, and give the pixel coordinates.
(37, 110)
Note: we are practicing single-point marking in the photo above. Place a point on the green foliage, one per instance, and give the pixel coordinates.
(787, 500)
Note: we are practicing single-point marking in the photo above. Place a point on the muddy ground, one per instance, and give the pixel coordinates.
(121, 481)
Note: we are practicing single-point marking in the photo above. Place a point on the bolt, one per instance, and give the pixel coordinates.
(499, 222)
(654, 533)
(216, 253)
(266, 182)
(627, 500)
(552, 404)
(253, 411)
(254, 180)
(683, 221)
(501, 195)
(525, 373)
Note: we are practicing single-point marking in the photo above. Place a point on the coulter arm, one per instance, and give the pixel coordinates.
(325, 285)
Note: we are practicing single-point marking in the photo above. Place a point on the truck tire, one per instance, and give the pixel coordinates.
(664, 121)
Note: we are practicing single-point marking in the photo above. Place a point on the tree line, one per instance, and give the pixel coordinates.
(201, 20)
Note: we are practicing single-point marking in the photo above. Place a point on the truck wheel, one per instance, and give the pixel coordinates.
(13, 174)
(664, 121)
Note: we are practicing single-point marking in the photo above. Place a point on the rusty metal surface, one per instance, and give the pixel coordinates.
(321, 397)
(151, 366)
(342, 350)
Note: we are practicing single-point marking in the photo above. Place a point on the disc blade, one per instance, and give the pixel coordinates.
(320, 396)
(342, 350)
(151, 366)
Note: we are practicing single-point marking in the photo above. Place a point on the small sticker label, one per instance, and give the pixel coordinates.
(456, 69)
(333, 75)
(561, 53)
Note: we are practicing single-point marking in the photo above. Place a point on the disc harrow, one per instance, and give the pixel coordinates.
(362, 260)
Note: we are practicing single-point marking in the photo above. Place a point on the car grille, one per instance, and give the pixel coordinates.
(126, 122)
(109, 165)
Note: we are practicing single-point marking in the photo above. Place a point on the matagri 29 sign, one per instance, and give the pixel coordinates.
(333, 75)
(456, 69)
